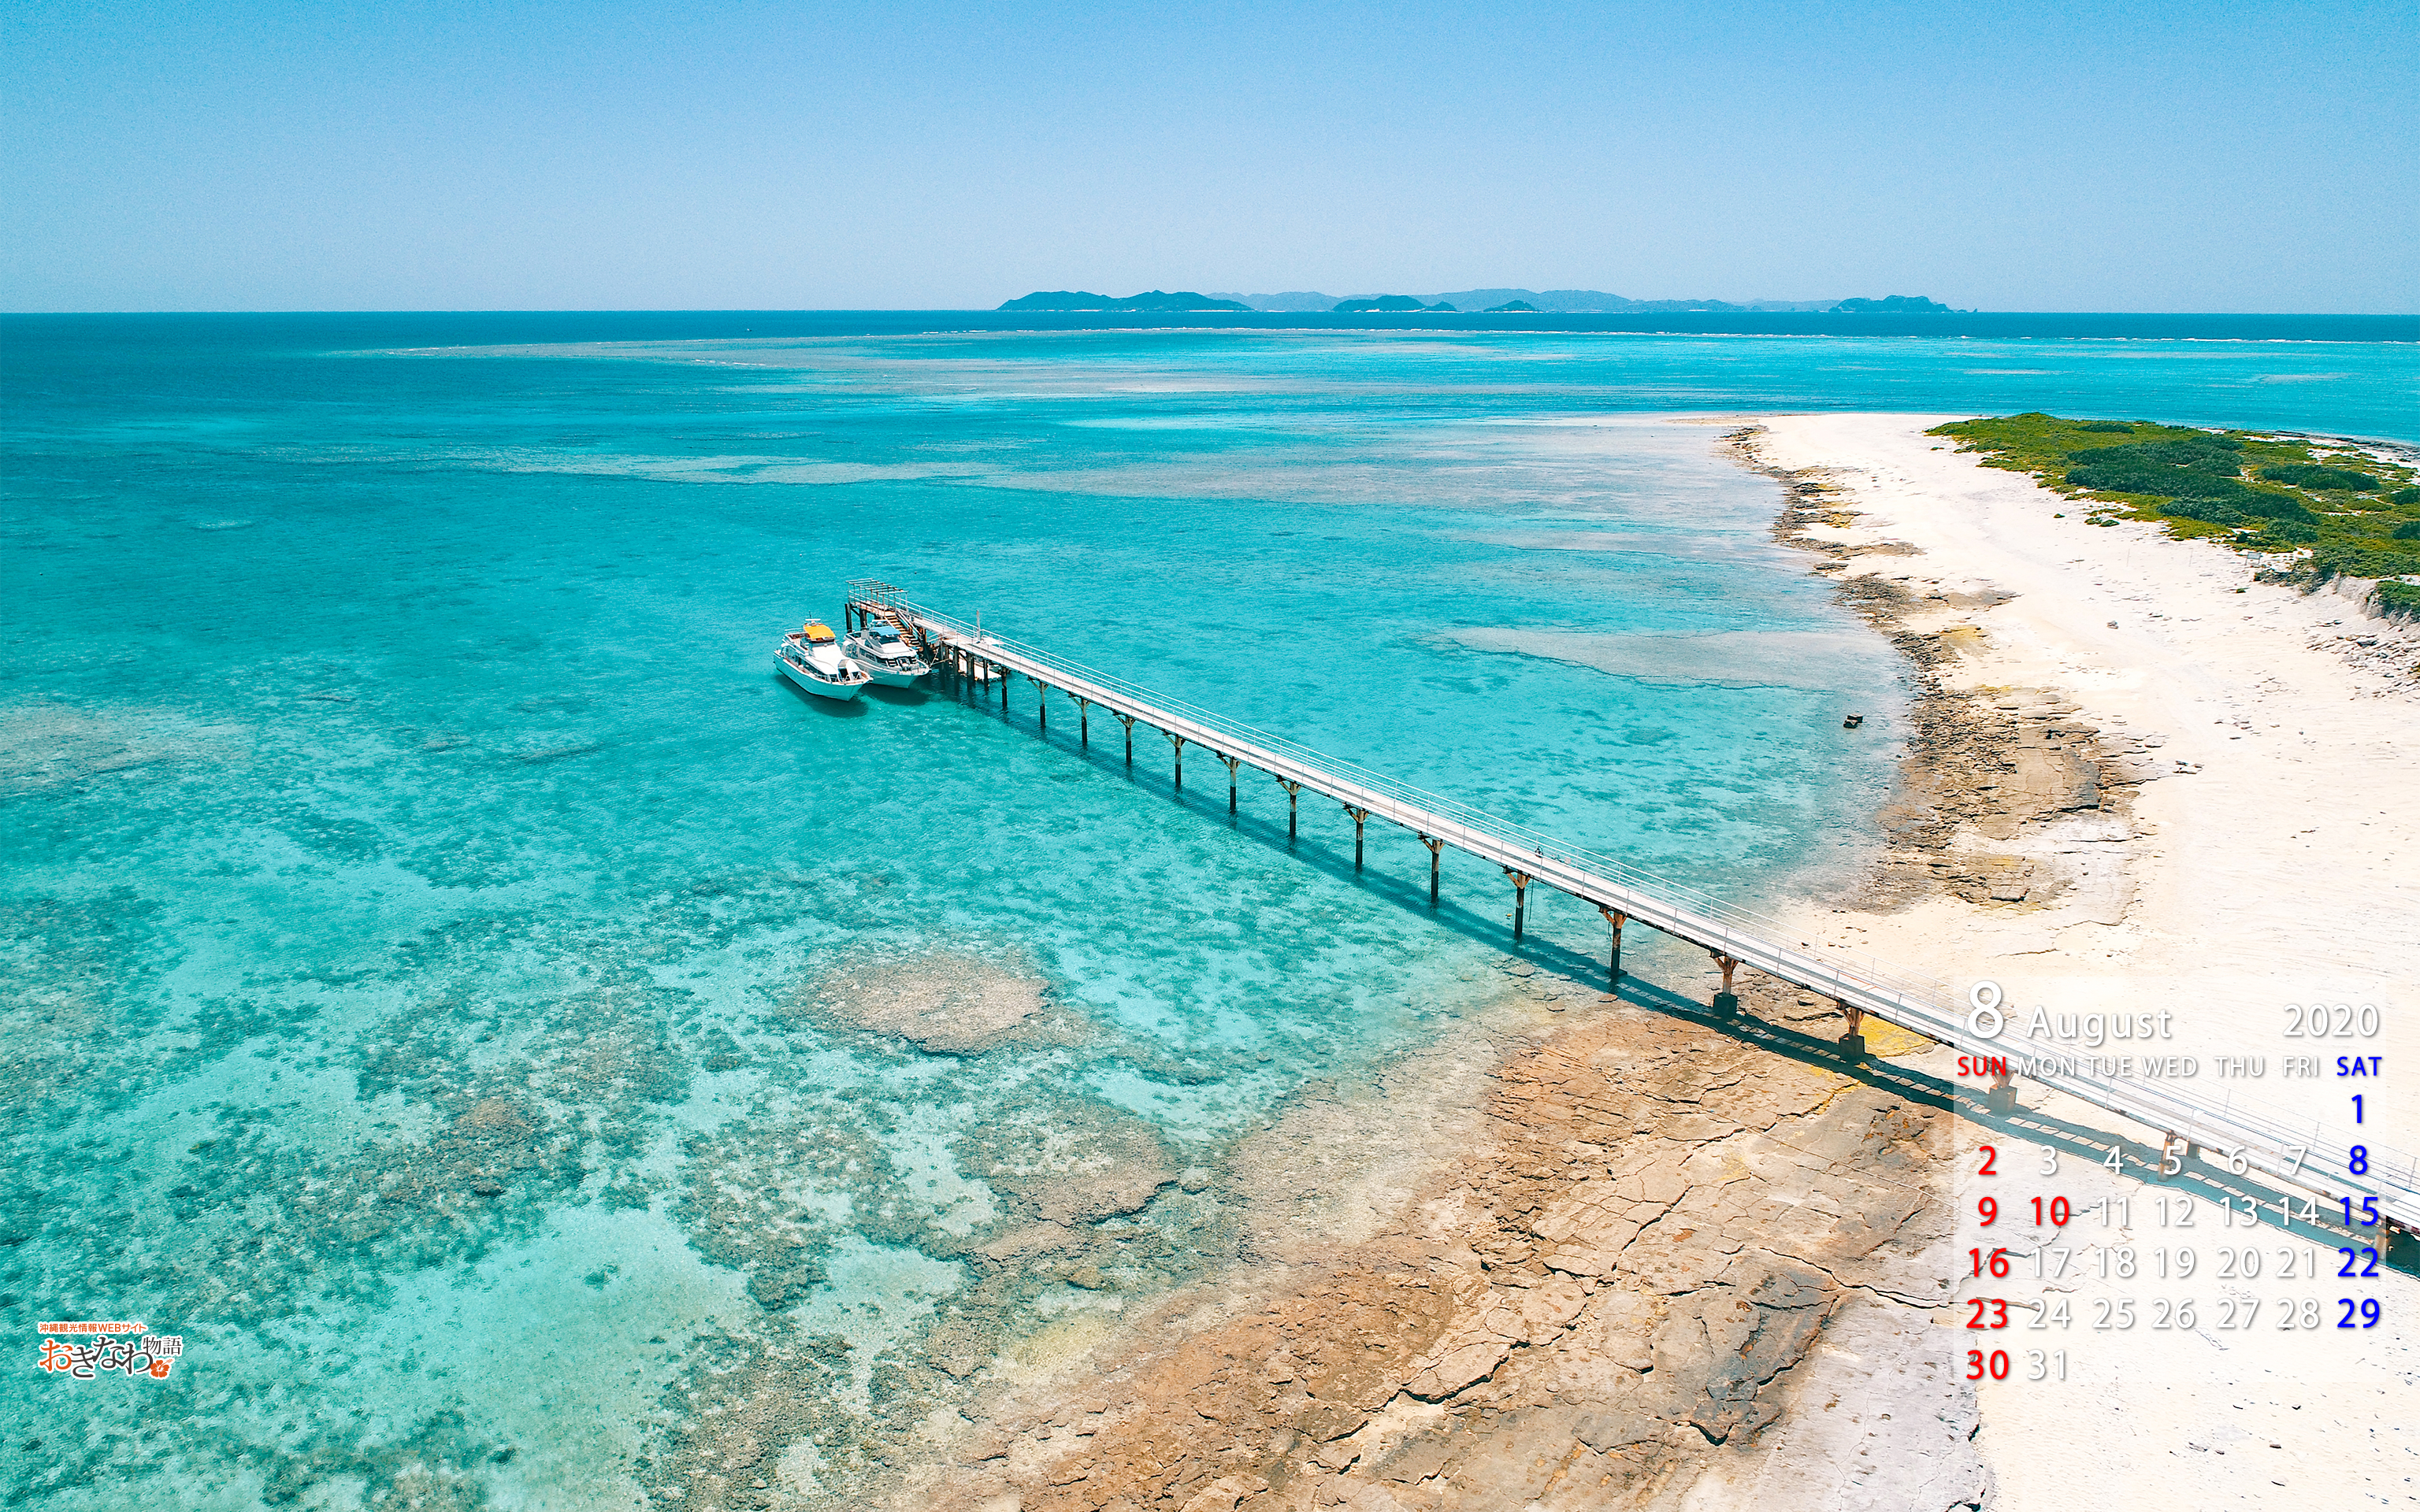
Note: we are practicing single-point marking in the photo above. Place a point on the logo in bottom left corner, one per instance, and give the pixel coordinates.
(85, 1350)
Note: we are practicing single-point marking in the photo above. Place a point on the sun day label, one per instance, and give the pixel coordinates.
(81, 1351)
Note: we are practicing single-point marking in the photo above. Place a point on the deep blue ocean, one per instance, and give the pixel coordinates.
(424, 909)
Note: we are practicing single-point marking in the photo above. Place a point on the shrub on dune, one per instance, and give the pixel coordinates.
(2315, 475)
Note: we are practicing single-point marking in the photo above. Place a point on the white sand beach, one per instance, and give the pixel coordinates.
(2275, 850)
(2267, 857)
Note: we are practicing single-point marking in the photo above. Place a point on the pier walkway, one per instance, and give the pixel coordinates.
(2234, 1134)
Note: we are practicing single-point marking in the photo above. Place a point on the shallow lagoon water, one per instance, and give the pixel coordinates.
(419, 888)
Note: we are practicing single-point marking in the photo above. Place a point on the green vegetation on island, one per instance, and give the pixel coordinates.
(1532, 302)
(1076, 300)
(1484, 301)
(1893, 304)
(2323, 509)
(1389, 305)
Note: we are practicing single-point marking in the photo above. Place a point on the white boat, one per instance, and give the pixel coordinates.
(886, 655)
(811, 659)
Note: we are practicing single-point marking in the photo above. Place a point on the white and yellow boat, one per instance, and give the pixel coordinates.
(811, 659)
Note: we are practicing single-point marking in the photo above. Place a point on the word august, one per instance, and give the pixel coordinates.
(2093, 1030)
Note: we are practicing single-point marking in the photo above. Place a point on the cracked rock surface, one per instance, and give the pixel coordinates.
(1663, 1264)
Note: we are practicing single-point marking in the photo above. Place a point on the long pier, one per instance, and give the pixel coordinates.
(2238, 1136)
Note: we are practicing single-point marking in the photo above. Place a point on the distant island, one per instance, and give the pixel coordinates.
(1152, 299)
(1512, 302)
(1484, 301)
(1893, 304)
(1572, 302)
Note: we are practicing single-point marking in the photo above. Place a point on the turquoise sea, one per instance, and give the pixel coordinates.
(443, 958)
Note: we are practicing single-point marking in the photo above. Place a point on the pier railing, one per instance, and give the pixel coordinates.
(2238, 1135)
(1393, 798)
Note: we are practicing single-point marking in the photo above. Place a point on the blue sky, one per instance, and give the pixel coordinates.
(603, 155)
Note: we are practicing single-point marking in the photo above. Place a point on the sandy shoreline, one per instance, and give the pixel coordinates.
(2268, 733)
(2148, 781)
(1624, 1256)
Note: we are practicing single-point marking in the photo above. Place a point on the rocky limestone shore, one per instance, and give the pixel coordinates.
(1618, 1292)
(2007, 794)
